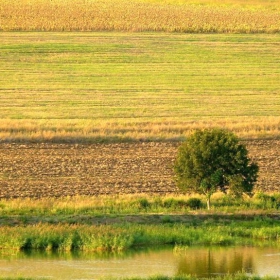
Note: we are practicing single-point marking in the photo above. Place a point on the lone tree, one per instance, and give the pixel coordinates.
(211, 160)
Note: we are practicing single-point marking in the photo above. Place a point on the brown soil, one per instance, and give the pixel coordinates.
(41, 170)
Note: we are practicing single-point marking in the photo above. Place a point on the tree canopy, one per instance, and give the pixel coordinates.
(214, 159)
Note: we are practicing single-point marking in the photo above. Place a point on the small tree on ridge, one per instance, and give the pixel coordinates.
(214, 159)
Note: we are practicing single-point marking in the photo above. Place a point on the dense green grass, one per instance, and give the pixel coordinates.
(96, 86)
(124, 236)
(73, 225)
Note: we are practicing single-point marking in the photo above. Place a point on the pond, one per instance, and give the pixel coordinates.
(199, 261)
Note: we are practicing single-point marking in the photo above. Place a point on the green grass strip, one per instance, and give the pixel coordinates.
(119, 237)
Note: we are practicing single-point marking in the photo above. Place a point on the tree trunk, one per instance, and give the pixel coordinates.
(208, 201)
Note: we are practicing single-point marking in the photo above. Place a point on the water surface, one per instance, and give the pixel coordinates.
(199, 261)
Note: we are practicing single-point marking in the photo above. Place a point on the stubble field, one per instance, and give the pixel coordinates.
(46, 170)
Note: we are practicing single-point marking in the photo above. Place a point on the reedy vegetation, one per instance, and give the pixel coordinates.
(141, 15)
(118, 237)
(95, 224)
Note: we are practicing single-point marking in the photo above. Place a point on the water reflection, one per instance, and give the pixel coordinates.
(202, 262)
(207, 262)
(78, 255)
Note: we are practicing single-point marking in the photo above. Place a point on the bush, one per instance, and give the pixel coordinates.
(194, 203)
(267, 201)
(166, 219)
(143, 203)
(174, 203)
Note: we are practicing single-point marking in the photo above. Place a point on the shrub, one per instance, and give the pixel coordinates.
(267, 201)
(194, 203)
(174, 203)
(143, 203)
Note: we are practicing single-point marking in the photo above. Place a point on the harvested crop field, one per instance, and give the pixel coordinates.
(43, 170)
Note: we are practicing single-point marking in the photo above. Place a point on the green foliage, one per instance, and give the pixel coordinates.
(166, 219)
(174, 204)
(124, 236)
(143, 203)
(181, 204)
(268, 201)
(214, 159)
(194, 203)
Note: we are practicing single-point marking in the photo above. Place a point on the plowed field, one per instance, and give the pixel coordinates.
(42, 170)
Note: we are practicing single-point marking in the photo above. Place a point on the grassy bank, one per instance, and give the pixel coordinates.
(113, 205)
(118, 237)
(192, 16)
(96, 87)
(89, 225)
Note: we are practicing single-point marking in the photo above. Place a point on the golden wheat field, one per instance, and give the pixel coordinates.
(202, 16)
